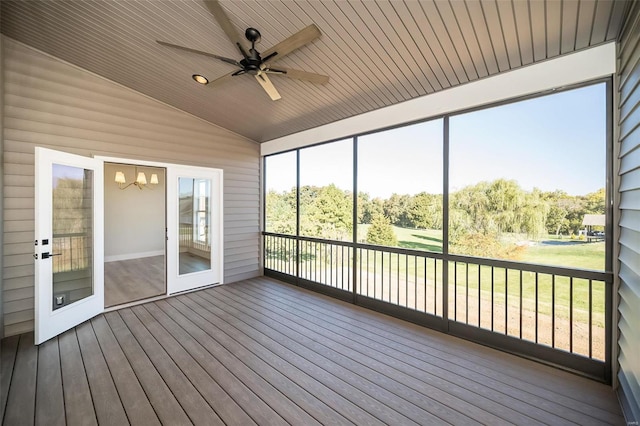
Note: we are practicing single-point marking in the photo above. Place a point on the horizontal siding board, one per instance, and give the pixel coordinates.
(19, 192)
(235, 274)
(629, 278)
(630, 200)
(106, 138)
(630, 181)
(630, 122)
(241, 250)
(18, 328)
(240, 256)
(630, 161)
(630, 297)
(17, 237)
(629, 57)
(630, 219)
(19, 180)
(18, 271)
(630, 102)
(247, 243)
(52, 104)
(18, 283)
(244, 276)
(628, 33)
(25, 141)
(21, 248)
(18, 260)
(629, 86)
(18, 214)
(20, 226)
(18, 317)
(18, 169)
(627, 362)
(629, 395)
(19, 203)
(630, 258)
(630, 142)
(25, 304)
(17, 294)
(631, 240)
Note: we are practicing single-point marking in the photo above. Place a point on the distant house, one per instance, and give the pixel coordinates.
(591, 220)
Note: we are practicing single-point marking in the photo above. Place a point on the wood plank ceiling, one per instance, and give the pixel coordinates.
(376, 53)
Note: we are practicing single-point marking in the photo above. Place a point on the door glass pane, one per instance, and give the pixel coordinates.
(194, 221)
(72, 247)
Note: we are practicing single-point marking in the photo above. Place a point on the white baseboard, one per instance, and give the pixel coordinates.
(118, 257)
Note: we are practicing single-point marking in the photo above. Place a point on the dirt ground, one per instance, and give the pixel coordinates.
(427, 297)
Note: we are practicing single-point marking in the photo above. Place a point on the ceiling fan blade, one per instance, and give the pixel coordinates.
(286, 46)
(199, 52)
(219, 80)
(268, 86)
(223, 19)
(299, 75)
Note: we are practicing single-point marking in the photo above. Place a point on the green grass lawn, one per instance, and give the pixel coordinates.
(565, 253)
(576, 254)
(550, 251)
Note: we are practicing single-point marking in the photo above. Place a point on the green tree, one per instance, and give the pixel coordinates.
(557, 216)
(425, 211)
(381, 232)
(368, 208)
(328, 213)
(595, 202)
(533, 213)
(281, 212)
(505, 200)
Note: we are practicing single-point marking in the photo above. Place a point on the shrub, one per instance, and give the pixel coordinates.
(381, 233)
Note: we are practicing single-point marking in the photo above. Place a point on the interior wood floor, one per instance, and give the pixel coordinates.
(263, 352)
(190, 262)
(134, 279)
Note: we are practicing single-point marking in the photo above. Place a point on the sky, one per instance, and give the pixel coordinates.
(61, 171)
(550, 142)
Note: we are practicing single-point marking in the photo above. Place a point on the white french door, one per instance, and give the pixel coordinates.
(69, 248)
(194, 227)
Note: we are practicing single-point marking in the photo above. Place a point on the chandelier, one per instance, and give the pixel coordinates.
(140, 182)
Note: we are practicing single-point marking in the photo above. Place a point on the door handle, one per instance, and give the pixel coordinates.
(47, 255)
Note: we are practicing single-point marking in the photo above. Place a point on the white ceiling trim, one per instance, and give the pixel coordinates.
(585, 65)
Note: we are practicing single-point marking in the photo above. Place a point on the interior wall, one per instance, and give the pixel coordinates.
(629, 248)
(134, 219)
(53, 104)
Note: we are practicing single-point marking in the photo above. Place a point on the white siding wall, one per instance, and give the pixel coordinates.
(1, 180)
(629, 291)
(50, 103)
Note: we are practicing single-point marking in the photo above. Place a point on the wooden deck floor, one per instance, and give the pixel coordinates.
(263, 352)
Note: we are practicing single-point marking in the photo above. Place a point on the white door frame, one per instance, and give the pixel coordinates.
(175, 282)
(49, 322)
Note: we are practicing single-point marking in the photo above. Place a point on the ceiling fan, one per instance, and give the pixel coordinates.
(253, 62)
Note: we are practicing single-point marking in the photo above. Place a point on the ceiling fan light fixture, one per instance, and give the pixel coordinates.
(200, 79)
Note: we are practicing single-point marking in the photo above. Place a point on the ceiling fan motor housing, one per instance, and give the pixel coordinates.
(252, 63)
(252, 35)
